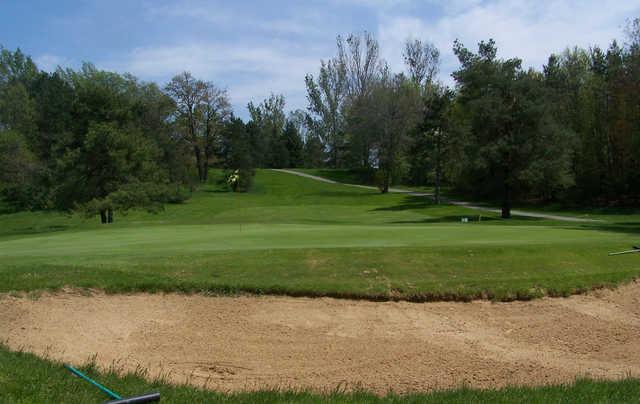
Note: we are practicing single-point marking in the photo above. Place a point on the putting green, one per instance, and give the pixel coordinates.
(171, 240)
(298, 236)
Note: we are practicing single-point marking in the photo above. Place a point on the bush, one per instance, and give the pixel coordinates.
(240, 180)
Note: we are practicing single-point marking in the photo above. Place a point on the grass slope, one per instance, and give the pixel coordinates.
(296, 236)
(24, 378)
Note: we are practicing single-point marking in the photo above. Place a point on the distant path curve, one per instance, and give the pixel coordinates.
(457, 203)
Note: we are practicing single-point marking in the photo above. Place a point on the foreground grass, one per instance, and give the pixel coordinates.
(296, 236)
(25, 378)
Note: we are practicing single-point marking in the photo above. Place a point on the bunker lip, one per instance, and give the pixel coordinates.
(263, 342)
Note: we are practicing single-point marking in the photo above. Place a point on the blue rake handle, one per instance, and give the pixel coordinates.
(81, 375)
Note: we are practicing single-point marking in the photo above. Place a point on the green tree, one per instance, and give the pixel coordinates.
(326, 97)
(396, 106)
(237, 154)
(429, 147)
(294, 144)
(505, 109)
(360, 56)
(269, 120)
(215, 112)
(114, 169)
(19, 172)
(188, 93)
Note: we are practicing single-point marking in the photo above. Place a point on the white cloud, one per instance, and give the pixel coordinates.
(304, 23)
(255, 55)
(524, 29)
(49, 62)
(255, 71)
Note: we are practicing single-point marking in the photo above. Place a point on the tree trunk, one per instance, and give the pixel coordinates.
(438, 172)
(205, 169)
(103, 216)
(506, 201)
(109, 216)
(437, 193)
(196, 151)
(387, 181)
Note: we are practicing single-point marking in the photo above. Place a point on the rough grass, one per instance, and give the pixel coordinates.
(296, 236)
(25, 378)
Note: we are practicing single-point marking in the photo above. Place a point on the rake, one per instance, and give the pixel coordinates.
(117, 399)
(636, 249)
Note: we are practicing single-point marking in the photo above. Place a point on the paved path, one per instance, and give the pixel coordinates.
(457, 203)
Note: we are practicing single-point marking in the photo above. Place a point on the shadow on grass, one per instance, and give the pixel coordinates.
(410, 202)
(449, 219)
(217, 191)
(362, 177)
(346, 194)
(618, 227)
(36, 230)
(414, 202)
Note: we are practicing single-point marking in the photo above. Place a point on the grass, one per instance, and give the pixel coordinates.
(623, 215)
(347, 176)
(25, 378)
(296, 236)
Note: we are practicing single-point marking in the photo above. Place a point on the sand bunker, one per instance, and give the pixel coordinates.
(244, 343)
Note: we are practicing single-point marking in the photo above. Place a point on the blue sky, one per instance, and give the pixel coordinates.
(253, 48)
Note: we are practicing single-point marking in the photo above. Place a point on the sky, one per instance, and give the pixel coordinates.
(254, 48)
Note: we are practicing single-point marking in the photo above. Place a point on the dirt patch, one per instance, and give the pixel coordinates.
(244, 343)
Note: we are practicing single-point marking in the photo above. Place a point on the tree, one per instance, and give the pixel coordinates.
(269, 120)
(113, 169)
(19, 173)
(237, 154)
(505, 108)
(215, 111)
(326, 98)
(428, 140)
(422, 59)
(396, 105)
(53, 99)
(294, 144)
(84, 138)
(188, 94)
(360, 56)
(433, 133)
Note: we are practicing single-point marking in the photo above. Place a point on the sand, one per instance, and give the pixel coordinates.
(249, 343)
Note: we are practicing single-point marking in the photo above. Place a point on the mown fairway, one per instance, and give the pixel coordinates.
(297, 236)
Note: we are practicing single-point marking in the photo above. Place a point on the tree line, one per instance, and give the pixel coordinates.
(569, 133)
(101, 142)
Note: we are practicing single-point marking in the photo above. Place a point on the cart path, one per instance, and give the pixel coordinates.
(248, 343)
(458, 203)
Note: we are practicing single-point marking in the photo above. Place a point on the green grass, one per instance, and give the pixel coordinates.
(346, 176)
(25, 378)
(296, 236)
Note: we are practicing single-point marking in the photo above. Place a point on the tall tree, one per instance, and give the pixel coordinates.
(422, 59)
(269, 119)
(360, 56)
(294, 144)
(326, 97)
(188, 94)
(215, 111)
(19, 172)
(504, 107)
(432, 134)
(397, 105)
(113, 169)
